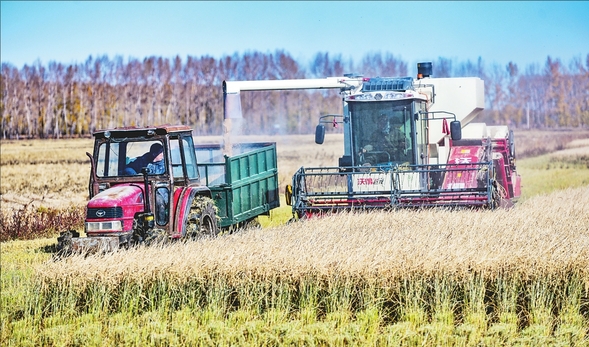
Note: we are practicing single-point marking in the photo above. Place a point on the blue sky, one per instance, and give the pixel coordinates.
(498, 32)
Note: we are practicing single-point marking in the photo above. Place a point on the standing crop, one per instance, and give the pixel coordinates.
(437, 277)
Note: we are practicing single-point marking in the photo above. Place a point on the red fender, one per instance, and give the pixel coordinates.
(183, 197)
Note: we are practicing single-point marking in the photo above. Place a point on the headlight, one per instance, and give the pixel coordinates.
(104, 226)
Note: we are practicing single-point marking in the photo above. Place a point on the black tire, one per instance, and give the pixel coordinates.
(202, 218)
(64, 242)
(156, 237)
(252, 223)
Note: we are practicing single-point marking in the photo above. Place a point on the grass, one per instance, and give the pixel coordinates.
(558, 170)
(28, 223)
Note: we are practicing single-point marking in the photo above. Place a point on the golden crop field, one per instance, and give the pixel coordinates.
(399, 278)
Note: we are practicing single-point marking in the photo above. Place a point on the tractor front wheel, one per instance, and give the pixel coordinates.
(202, 218)
(64, 242)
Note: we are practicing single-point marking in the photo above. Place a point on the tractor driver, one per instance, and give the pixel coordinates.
(153, 160)
(387, 143)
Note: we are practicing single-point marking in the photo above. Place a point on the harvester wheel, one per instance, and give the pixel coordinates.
(202, 218)
(495, 195)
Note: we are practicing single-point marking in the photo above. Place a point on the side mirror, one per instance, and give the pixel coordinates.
(320, 134)
(455, 130)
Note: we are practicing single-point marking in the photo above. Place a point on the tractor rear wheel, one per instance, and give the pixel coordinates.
(202, 218)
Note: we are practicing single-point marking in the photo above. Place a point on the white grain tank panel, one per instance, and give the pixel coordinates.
(498, 131)
(463, 96)
(475, 131)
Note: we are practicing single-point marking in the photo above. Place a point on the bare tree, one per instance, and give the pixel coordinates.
(442, 68)
(73, 100)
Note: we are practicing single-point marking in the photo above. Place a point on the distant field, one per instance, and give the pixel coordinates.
(54, 173)
(406, 278)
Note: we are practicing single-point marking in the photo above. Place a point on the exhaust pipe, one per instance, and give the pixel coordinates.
(424, 70)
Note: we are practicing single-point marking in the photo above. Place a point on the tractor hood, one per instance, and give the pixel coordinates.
(118, 203)
(118, 196)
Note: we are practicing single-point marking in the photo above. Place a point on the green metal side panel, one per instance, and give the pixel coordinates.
(245, 185)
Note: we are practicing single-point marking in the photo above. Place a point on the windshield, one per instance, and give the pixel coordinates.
(128, 158)
(381, 132)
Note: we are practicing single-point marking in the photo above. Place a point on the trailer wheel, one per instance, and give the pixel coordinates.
(202, 218)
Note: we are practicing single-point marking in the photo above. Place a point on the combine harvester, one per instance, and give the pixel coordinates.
(407, 143)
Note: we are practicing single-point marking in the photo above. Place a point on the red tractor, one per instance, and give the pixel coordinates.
(149, 184)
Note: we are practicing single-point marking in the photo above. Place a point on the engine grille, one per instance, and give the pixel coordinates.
(103, 213)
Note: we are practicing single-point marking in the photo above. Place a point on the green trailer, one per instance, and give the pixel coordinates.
(243, 185)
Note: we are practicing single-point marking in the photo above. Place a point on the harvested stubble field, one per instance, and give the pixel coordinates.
(54, 173)
(432, 277)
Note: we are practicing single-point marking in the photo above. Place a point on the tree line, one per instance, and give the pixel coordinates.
(60, 100)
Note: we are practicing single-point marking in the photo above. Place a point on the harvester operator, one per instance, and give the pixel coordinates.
(387, 143)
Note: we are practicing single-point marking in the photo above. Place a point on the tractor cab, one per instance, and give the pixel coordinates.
(121, 154)
(135, 174)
